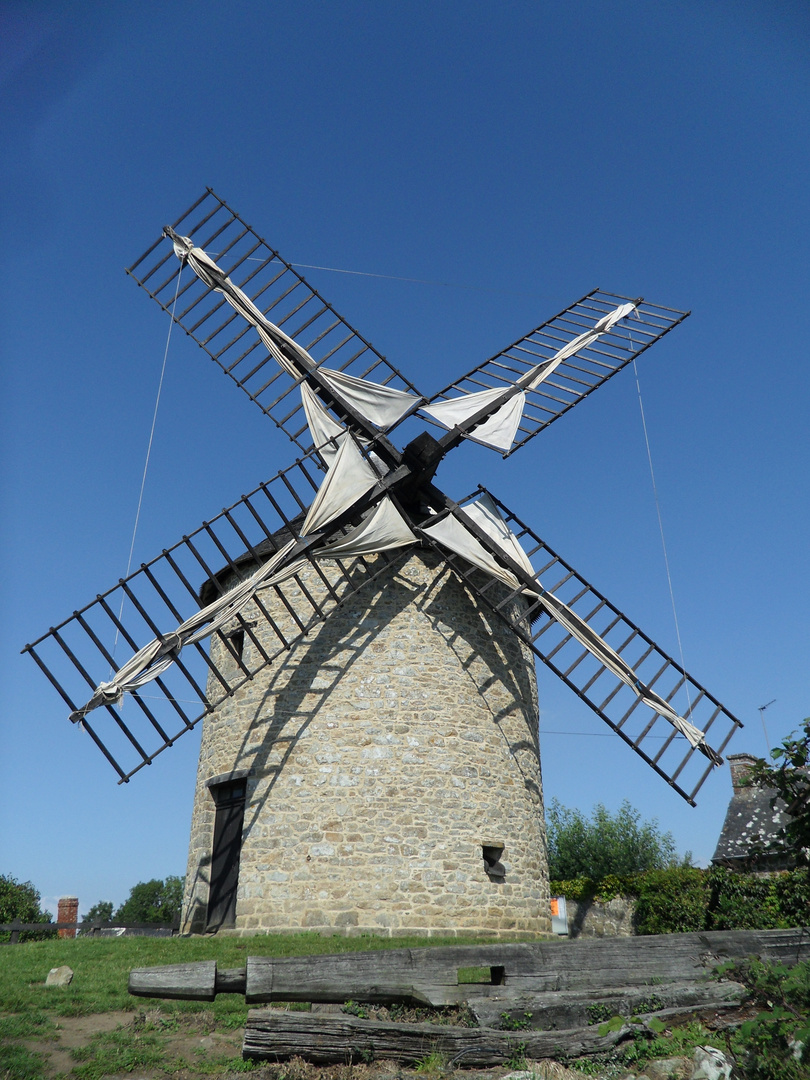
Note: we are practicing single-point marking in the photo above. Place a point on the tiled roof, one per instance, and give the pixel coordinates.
(751, 821)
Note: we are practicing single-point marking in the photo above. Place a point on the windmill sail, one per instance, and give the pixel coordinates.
(664, 714)
(242, 335)
(371, 403)
(498, 430)
(167, 615)
(327, 433)
(555, 367)
(383, 529)
(453, 532)
(492, 417)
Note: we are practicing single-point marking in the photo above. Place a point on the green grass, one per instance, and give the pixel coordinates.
(17, 1063)
(474, 975)
(125, 1050)
(27, 1025)
(119, 1051)
(432, 1064)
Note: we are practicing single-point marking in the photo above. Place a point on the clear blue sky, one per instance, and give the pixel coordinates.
(521, 153)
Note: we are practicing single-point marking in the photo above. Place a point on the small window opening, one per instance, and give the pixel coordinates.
(493, 866)
(237, 640)
(229, 791)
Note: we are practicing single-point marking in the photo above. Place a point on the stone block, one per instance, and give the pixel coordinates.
(59, 976)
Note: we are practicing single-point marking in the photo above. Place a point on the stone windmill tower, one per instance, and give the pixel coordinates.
(360, 646)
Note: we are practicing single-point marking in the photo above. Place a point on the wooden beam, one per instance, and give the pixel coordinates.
(195, 982)
(274, 1035)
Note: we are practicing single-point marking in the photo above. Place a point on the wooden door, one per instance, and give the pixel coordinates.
(230, 813)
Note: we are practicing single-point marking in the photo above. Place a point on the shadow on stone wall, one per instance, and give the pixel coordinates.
(595, 918)
(281, 720)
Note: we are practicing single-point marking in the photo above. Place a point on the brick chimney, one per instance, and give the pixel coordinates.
(68, 911)
(740, 765)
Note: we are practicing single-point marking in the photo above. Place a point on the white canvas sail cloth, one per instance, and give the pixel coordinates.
(272, 336)
(382, 530)
(486, 515)
(347, 479)
(327, 434)
(498, 430)
(452, 534)
(382, 405)
(603, 326)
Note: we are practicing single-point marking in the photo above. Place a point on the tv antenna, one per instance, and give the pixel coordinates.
(761, 711)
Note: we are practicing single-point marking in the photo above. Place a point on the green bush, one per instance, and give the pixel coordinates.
(19, 901)
(741, 902)
(671, 901)
(775, 1043)
(152, 901)
(100, 912)
(793, 896)
(576, 889)
(757, 902)
(605, 844)
(684, 899)
(586, 889)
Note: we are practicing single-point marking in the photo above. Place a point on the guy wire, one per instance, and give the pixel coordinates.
(661, 530)
(148, 455)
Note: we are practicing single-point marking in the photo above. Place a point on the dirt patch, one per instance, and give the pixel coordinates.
(189, 1038)
(73, 1031)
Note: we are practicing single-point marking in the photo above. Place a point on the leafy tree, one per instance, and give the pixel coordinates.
(789, 775)
(101, 912)
(19, 900)
(152, 901)
(618, 844)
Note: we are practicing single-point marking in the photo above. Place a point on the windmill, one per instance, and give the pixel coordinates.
(360, 645)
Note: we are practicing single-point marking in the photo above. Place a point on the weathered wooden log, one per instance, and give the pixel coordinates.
(562, 1009)
(199, 981)
(400, 975)
(274, 1035)
(231, 981)
(432, 976)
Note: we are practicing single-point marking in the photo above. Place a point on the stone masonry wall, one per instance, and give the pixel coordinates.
(383, 752)
(596, 918)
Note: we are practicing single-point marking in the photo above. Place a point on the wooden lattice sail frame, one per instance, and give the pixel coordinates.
(294, 356)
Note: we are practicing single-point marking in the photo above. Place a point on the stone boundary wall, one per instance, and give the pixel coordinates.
(596, 919)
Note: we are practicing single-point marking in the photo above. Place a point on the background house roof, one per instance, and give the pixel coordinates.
(751, 823)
